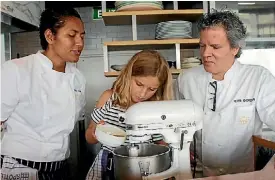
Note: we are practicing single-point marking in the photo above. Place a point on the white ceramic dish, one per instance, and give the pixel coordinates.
(110, 135)
(191, 60)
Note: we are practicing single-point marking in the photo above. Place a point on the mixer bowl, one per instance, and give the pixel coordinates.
(150, 159)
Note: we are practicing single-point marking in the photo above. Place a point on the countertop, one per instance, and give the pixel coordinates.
(267, 173)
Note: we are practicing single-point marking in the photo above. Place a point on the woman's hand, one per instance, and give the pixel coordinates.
(90, 132)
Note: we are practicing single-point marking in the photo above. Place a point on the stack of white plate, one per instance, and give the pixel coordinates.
(173, 29)
(190, 62)
(138, 5)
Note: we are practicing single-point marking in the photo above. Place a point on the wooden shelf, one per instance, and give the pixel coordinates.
(152, 44)
(116, 73)
(150, 17)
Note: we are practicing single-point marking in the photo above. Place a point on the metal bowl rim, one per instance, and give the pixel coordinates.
(135, 157)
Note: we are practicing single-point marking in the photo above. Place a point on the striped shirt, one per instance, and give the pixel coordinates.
(110, 114)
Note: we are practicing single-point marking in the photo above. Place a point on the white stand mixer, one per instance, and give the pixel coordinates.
(176, 120)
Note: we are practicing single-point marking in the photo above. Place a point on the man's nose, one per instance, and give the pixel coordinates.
(207, 51)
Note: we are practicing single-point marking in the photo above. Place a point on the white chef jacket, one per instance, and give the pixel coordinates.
(41, 107)
(245, 100)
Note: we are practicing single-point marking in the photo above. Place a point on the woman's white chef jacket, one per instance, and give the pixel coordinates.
(41, 107)
(245, 100)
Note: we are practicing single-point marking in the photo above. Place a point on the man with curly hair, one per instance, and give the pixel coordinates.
(237, 99)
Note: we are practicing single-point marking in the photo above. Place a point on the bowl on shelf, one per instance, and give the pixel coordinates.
(117, 67)
(110, 135)
(190, 62)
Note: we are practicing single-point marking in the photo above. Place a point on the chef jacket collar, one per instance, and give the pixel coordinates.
(48, 63)
(229, 75)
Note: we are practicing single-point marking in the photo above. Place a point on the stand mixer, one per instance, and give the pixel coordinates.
(176, 120)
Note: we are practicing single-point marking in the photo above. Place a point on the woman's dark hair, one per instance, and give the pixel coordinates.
(53, 19)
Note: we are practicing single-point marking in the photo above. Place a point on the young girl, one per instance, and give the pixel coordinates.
(146, 77)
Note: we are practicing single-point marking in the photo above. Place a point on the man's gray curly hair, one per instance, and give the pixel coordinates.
(233, 26)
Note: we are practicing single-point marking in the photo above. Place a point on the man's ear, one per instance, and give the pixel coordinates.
(235, 51)
(49, 36)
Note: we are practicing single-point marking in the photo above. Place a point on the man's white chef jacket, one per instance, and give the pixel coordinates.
(245, 100)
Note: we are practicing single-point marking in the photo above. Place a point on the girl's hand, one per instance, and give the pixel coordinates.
(101, 122)
(90, 132)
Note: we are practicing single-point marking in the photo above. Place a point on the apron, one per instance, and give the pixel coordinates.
(15, 168)
(102, 167)
(11, 169)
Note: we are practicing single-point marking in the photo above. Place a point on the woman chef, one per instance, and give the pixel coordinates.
(42, 97)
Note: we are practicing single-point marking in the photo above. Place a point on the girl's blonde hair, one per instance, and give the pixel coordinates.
(144, 63)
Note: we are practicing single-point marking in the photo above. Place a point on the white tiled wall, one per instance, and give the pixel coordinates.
(24, 43)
